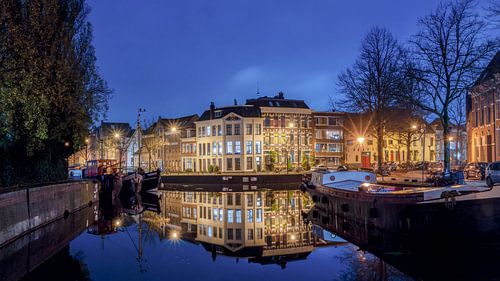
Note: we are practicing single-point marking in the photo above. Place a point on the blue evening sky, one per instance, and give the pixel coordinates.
(174, 57)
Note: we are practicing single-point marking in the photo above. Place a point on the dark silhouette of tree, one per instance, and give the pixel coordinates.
(375, 81)
(449, 51)
(50, 89)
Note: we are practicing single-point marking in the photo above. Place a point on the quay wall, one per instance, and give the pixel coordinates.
(224, 179)
(26, 209)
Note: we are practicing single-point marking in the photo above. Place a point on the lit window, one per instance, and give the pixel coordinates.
(230, 215)
(238, 216)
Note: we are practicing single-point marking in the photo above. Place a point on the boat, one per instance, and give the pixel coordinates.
(465, 211)
(137, 182)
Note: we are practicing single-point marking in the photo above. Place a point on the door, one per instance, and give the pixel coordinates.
(365, 160)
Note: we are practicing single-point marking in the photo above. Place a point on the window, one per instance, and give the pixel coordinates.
(369, 142)
(238, 234)
(267, 122)
(334, 134)
(249, 163)
(229, 164)
(230, 234)
(237, 147)
(259, 200)
(258, 163)
(250, 234)
(236, 129)
(248, 129)
(221, 214)
(229, 147)
(209, 213)
(258, 215)
(218, 113)
(238, 216)
(258, 147)
(259, 233)
(215, 214)
(229, 129)
(219, 130)
(250, 215)
(219, 148)
(250, 200)
(230, 214)
(258, 129)
(237, 164)
(230, 199)
(238, 199)
(209, 231)
(349, 142)
(214, 148)
(208, 131)
(334, 147)
(248, 147)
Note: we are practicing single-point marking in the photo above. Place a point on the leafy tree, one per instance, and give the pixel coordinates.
(50, 89)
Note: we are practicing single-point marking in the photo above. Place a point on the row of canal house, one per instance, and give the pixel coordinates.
(247, 224)
(264, 134)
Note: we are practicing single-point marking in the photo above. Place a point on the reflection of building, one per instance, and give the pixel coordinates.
(261, 224)
(483, 114)
(328, 141)
(232, 220)
(287, 131)
(229, 139)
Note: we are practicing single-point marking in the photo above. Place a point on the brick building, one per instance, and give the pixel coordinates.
(483, 115)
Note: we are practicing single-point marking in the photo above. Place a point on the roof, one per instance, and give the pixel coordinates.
(277, 101)
(241, 110)
(112, 127)
(490, 70)
(181, 122)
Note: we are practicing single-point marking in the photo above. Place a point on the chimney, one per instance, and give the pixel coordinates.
(212, 108)
(281, 96)
(235, 102)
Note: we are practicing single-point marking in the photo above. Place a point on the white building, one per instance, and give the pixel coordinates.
(230, 139)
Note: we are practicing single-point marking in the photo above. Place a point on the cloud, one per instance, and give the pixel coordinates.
(246, 76)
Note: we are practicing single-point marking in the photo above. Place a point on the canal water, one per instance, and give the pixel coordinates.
(198, 235)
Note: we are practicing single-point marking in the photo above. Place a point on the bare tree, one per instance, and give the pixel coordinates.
(405, 128)
(493, 10)
(374, 82)
(449, 52)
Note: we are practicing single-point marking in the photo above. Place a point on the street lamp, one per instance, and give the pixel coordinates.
(86, 150)
(361, 140)
(117, 137)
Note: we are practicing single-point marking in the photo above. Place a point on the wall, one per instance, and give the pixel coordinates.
(27, 209)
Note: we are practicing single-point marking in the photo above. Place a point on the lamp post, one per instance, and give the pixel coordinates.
(117, 137)
(291, 126)
(423, 131)
(86, 150)
(361, 140)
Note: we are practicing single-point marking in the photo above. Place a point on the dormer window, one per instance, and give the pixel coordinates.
(218, 113)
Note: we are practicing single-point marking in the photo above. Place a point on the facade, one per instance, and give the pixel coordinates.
(457, 139)
(483, 115)
(328, 141)
(229, 139)
(172, 134)
(287, 132)
(361, 142)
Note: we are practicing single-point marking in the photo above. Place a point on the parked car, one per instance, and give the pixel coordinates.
(475, 170)
(493, 174)
(435, 167)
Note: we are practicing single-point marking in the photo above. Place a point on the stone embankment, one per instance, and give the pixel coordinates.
(26, 209)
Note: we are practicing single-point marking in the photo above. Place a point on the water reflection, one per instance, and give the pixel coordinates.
(205, 235)
(441, 258)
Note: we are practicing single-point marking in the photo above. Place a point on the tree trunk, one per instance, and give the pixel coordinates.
(380, 144)
(446, 141)
(408, 147)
